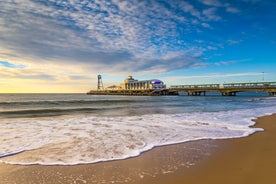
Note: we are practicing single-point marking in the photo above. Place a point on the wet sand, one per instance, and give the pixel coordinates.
(249, 160)
(244, 160)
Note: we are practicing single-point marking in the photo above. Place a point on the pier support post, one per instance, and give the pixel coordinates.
(272, 93)
(232, 93)
(195, 93)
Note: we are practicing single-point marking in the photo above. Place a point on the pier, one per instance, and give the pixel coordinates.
(155, 87)
(227, 89)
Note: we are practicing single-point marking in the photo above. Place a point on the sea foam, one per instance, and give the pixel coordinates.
(90, 139)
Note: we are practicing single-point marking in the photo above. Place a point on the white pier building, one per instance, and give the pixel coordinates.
(132, 84)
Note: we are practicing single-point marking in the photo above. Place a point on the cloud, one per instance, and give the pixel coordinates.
(215, 3)
(233, 42)
(231, 62)
(98, 34)
(251, 1)
(220, 4)
(232, 9)
(187, 7)
(37, 76)
(23, 73)
(210, 14)
(170, 63)
(11, 65)
(107, 36)
(78, 77)
(204, 24)
(215, 76)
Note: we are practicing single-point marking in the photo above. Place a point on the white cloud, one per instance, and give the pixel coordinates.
(187, 7)
(210, 14)
(206, 25)
(232, 9)
(216, 3)
(97, 34)
(219, 63)
(213, 76)
(109, 36)
(233, 42)
(220, 4)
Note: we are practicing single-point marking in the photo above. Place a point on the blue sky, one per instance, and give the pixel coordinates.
(61, 45)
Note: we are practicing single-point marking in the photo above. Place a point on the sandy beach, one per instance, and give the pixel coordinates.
(242, 160)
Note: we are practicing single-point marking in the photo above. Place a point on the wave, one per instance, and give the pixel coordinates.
(48, 112)
(55, 108)
(90, 139)
(11, 154)
(64, 102)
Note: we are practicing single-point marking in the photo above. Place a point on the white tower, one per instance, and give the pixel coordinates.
(100, 83)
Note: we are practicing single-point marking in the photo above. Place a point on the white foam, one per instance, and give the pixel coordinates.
(77, 140)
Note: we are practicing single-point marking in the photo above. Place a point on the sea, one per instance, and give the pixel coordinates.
(70, 129)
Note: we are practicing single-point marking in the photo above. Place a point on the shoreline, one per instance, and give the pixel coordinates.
(239, 160)
(244, 160)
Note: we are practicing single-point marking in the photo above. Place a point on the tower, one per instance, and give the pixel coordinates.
(100, 83)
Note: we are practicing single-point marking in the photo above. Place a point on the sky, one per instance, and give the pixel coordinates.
(60, 46)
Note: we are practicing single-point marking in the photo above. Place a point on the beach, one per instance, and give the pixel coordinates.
(240, 160)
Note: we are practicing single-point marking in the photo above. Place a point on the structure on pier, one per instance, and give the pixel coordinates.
(100, 83)
(131, 86)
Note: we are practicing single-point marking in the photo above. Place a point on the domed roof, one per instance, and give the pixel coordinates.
(129, 77)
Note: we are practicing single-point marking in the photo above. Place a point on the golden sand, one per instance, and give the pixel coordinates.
(245, 160)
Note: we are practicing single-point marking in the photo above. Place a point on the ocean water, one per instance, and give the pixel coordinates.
(69, 129)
